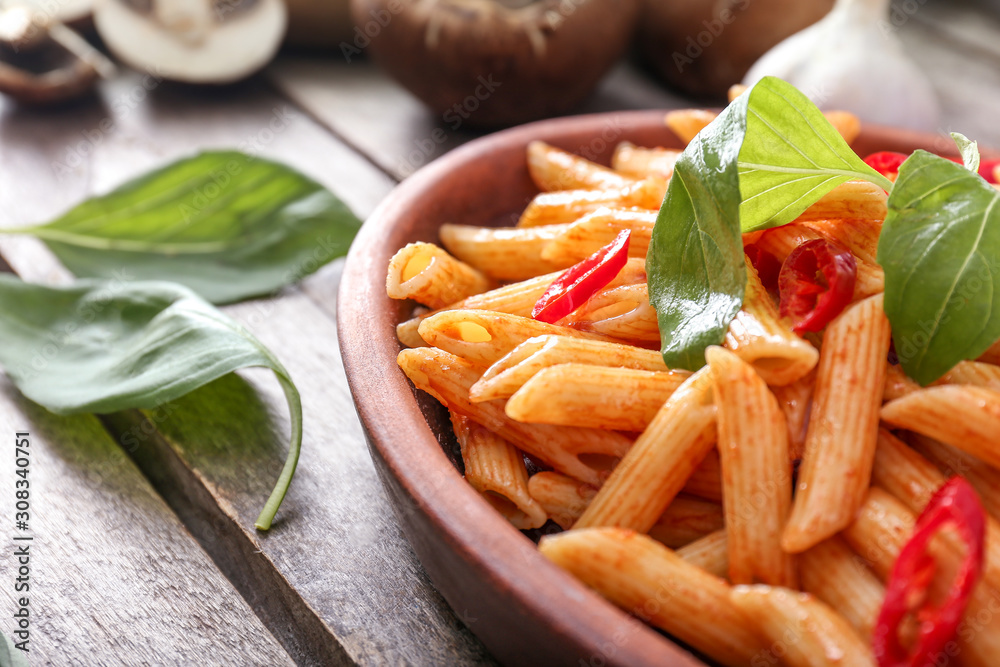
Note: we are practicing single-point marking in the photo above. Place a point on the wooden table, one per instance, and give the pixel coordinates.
(149, 556)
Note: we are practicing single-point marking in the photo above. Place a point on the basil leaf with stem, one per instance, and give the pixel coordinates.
(940, 250)
(226, 224)
(104, 346)
(969, 150)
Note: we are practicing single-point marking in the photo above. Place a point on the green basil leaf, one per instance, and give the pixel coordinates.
(10, 655)
(969, 150)
(103, 346)
(768, 156)
(226, 224)
(940, 247)
(791, 157)
(696, 272)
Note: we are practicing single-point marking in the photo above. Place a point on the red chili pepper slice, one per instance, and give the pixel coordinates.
(581, 281)
(986, 168)
(815, 284)
(767, 265)
(955, 503)
(886, 162)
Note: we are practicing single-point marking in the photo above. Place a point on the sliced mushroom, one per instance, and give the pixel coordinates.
(495, 62)
(42, 61)
(195, 41)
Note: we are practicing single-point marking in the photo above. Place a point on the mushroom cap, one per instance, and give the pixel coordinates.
(491, 63)
(237, 43)
(702, 48)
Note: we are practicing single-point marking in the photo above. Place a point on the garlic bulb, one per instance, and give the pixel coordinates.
(852, 60)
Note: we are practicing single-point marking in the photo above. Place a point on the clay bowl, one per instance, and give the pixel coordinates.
(523, 608)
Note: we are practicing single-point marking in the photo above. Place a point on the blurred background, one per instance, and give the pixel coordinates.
(405, 80)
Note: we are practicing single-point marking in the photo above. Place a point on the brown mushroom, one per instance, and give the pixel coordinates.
(319, 23)
(702, 47)
(44, 62)
(495, 62)
(195, 41)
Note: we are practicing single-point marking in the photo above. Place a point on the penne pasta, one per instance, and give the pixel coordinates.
(554, 169)
(897, 383)
(593, 396)
(992, 355)
(857, 234)
(515, 299)
(736, 90)
(687, 123)
(843, 425)
(951, 461)
(795, 400)
(503, 253)
(833, 573)
(759, 337)
(878, 534)
(637, 162)
(595, 230)
(552, 208)
(483, 336)
(496, 469)
(801, 630)
(973, 373)
(650, 581)
(563, 498)
(706, 480)
(962, 416)
(686, 520)
(428, 275)
(756, 472)
(510, 372)
(660, 462)
(846, 123)
(447, 378)
(913, 479)
(710, 553)
(619, 313)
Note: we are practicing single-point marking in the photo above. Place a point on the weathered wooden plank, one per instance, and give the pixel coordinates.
(334, 579)
(371, 112)
(361, 105)
(114, 577)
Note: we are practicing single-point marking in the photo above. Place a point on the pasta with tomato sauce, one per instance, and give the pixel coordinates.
(798, 484)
